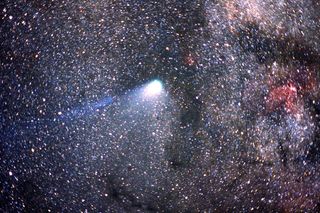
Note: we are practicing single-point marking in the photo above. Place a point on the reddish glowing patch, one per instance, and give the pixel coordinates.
(283, 96)
(190, 60)
(290, 96)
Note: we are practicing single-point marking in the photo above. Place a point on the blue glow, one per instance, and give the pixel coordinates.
(88, 109)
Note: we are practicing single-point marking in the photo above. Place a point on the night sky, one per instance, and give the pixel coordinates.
(159, 106)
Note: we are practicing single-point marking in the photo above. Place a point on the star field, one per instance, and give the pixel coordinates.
(159, 106)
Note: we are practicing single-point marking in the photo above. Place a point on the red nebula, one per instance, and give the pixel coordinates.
(283, 95)
(189, 60)
(291, 94)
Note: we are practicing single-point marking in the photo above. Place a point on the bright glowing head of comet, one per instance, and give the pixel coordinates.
(152, 89)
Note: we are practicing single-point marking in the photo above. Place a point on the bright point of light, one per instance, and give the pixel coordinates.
(154, 88)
